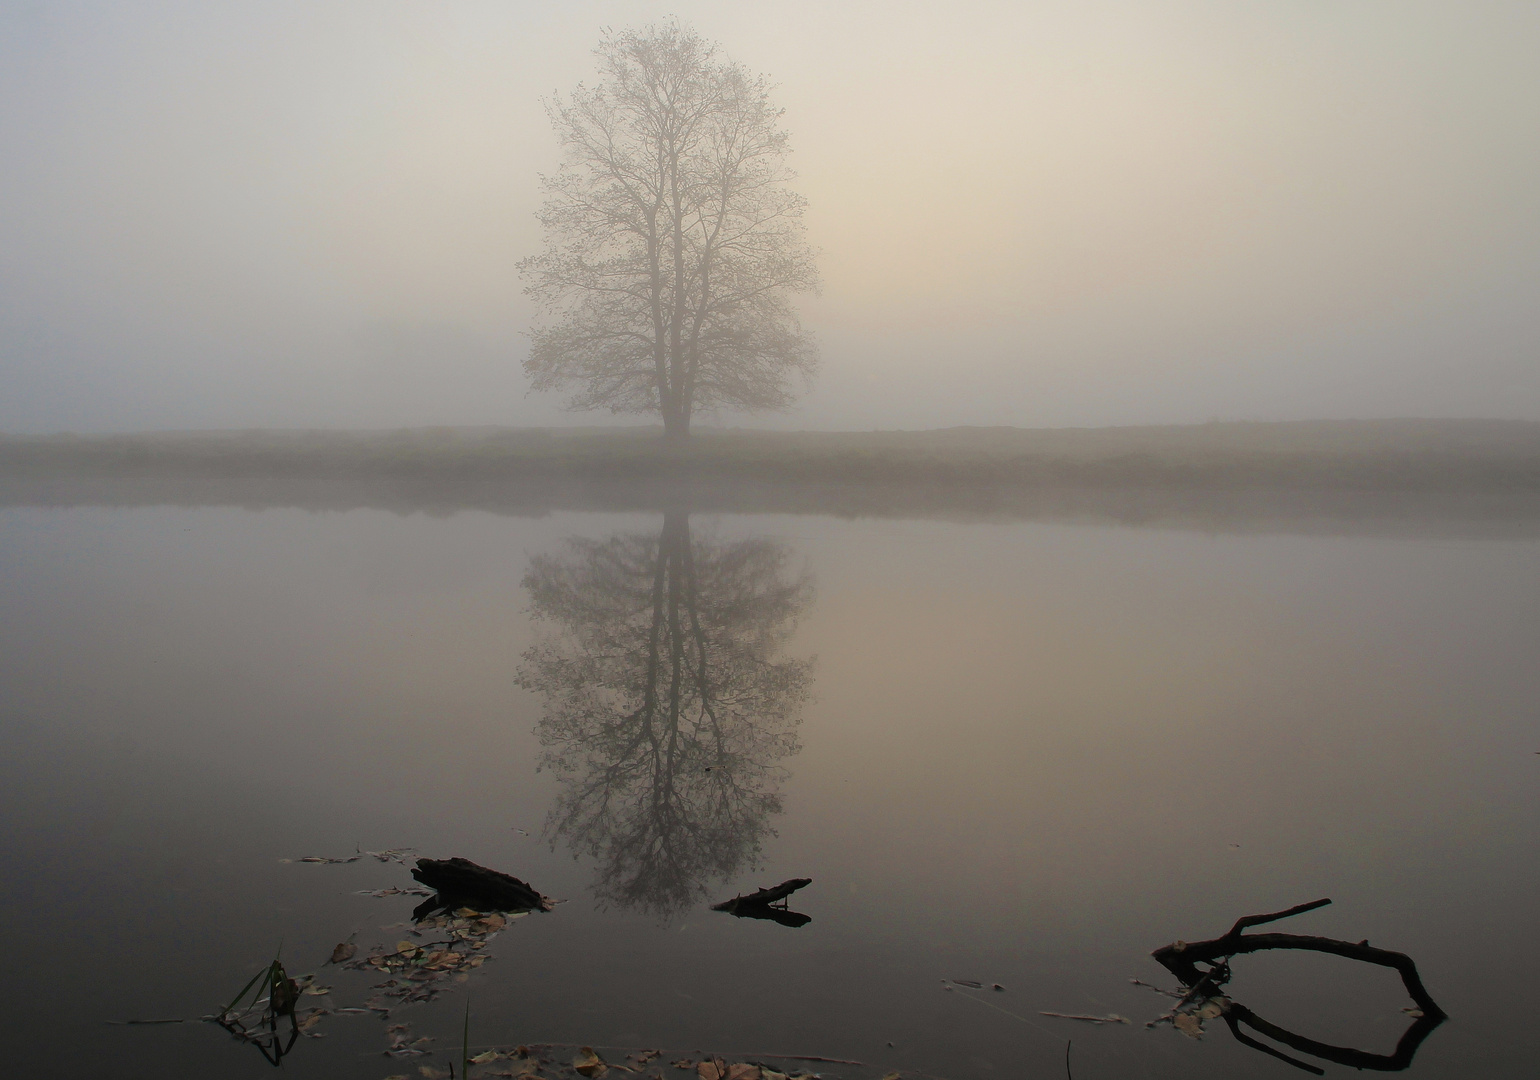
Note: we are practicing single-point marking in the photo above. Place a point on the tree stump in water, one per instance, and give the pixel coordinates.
(462, 883)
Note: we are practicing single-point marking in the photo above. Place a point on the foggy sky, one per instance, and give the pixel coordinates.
(309, 213)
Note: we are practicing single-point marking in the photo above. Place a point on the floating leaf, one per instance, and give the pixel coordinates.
(343, 952)
(318, 991)
(710, 1069)
(1188, 1025)
(589, 1063)
(743, 1071)
(483, 1058)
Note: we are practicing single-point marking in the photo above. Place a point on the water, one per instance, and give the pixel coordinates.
(1024, 753)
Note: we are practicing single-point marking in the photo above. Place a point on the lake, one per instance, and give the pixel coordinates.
(1024, 753)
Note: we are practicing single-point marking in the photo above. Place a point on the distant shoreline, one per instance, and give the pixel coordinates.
(1449, 456)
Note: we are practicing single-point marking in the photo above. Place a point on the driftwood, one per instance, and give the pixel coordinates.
(1182, 957)
(768, 904)
(764, 897)
(462, 883)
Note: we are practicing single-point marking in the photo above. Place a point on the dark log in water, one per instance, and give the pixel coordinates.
(764, 897)
(462, 883)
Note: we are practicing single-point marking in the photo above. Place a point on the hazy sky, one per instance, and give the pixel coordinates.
(1082, 212)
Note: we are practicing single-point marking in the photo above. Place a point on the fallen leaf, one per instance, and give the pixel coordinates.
(589, 1063)
(1188, 1025)
(743, 1071)
(318, 991)
(482, 1059)
(1211, 1008)
(709, 1070)
(434, 1073)
(891, 1076)
(343, 952)
(311, 1020)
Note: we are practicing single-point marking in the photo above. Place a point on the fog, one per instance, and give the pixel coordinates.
(299, 214)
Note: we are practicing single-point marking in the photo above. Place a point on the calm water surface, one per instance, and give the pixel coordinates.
(1023, 754)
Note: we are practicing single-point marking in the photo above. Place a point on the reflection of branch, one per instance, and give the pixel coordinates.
(1406, 1047)
(1181, 959)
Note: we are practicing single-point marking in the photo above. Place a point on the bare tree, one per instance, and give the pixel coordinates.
(674, 244)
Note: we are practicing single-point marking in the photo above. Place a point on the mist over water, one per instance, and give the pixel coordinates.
(311, 215)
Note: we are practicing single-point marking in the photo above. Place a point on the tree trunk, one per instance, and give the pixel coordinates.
(676, 425)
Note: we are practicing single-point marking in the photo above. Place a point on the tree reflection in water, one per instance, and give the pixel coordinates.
(668, 709)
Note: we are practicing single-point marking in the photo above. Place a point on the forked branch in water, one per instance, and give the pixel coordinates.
(1182, 957)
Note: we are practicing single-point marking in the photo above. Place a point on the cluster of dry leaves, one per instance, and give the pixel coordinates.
(547, 1062)
(421, 970)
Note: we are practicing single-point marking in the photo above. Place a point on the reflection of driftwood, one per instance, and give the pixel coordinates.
(462, 883)
(763, 904)
(1181, 959)
(1406, 1046)
(781, 915)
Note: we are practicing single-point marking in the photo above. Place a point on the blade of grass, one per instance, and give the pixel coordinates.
(265, 971)
(465, 1042)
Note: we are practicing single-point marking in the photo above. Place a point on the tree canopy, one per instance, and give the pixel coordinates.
(673, 240)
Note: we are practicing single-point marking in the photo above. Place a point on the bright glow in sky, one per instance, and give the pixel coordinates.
(1100, 212)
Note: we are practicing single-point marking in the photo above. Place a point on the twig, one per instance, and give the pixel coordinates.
(1258, 920)
(1067, 1073)
(1110, 1019)
(1013, 1016)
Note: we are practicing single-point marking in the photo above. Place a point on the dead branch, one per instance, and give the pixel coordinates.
(764, 897)
(1181, 958)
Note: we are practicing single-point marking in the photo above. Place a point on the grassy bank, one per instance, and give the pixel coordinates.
(1395, 455)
